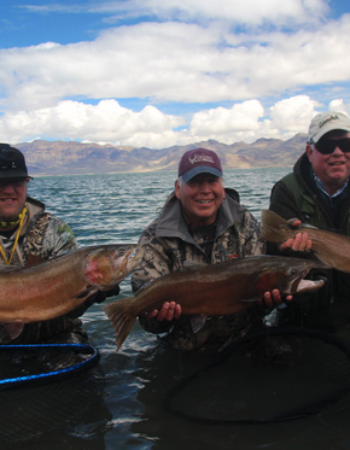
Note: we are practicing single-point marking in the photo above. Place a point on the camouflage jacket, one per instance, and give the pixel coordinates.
(169, 243)
(43, 236)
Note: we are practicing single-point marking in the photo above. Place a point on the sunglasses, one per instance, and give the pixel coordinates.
(327, 146)
(15, 182)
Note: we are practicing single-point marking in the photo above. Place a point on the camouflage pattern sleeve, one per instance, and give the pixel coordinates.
(155, 263)
(59, 239)
(249, 234)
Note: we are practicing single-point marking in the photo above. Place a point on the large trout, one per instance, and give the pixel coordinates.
(331, 248)
(58, 286)
(215, 289)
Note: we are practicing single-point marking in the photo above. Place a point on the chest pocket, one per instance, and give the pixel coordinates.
(309, 212)
(306, 204)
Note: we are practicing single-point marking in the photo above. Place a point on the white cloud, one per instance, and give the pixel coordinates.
(228, 125)
(174, 62)
(247, 121)
(235, 11)
(293, 114)
(207, 61)
(105, 122)
(339, 105)
(108, 122)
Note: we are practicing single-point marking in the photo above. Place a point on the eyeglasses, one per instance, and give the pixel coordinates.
(15, 182)
(327, 146)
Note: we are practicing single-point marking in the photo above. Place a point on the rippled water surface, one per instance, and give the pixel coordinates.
(116, 208)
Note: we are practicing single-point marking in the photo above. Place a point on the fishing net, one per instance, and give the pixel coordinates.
(44, 387)
(276, 375)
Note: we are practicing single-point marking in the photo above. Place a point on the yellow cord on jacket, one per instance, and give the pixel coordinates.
(22, 215)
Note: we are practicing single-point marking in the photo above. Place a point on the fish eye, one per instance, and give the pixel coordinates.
(121, 252)
(293, 272)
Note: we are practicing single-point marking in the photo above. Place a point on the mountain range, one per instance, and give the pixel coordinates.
(76, 158)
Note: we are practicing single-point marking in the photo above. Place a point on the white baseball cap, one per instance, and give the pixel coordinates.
(324, 122)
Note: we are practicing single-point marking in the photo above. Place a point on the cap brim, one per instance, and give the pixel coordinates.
(326, 129)
(200, 169)
(9, 174)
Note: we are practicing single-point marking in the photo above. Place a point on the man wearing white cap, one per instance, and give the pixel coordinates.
(318, 193)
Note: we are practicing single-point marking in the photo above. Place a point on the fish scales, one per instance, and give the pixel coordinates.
(196, 289)
(216, 289)
(41, 285)
(58, 286)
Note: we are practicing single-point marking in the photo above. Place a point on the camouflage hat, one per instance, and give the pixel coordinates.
(12, 163)
(199, 160)
(327, 121)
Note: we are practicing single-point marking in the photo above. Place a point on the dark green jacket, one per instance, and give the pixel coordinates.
(297, 196)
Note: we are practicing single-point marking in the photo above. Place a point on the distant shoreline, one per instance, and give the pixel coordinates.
(37, 175)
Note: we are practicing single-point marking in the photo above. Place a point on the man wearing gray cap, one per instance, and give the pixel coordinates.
(201, 222)
(28, 235)
(318, 193)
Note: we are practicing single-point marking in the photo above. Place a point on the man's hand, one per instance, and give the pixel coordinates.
(301, 242)
(169, 311)
(273, 298)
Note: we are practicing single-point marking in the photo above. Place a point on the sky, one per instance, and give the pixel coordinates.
(158, 73)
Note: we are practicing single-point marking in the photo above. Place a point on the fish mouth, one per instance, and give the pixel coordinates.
(299, 285)
(131, 258)
(309, 286)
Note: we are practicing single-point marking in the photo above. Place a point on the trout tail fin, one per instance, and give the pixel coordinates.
(121, 318)
(275, 228)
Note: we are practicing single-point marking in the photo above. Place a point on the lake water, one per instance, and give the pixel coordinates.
(116, 208)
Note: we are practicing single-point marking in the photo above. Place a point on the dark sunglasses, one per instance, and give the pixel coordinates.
(327, 146)
(15, 182)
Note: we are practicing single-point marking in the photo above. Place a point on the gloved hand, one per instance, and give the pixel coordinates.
(99, 297)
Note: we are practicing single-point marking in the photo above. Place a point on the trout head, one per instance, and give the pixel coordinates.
(287, 275)
(108, 265)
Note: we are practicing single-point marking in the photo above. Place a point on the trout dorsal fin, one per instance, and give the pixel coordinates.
(274, 226)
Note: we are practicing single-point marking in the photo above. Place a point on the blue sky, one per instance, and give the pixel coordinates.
(158, 73)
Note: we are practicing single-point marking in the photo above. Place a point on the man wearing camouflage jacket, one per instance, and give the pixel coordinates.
(201, 222)
(29, 235)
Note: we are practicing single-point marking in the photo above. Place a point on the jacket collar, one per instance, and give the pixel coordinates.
(34, 208)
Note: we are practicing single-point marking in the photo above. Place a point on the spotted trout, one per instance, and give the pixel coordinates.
(59, 285)
(331, 248)
(214, 289)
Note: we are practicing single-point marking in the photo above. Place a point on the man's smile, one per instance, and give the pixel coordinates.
(205, 202)
(8, 201)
